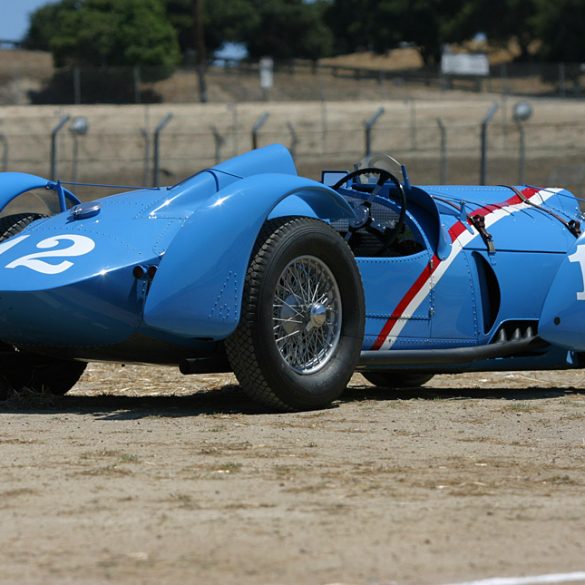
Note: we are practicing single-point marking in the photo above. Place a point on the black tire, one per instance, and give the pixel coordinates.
(29, 371)
(397, 379)
(13, 224)
(40, 374)
(274, 374)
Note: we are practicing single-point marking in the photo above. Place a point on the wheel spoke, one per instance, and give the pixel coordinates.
(306, 314)
(289, 306)
(315, 292)
(287, 336)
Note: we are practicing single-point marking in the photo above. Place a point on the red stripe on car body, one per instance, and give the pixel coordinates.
(455, 232)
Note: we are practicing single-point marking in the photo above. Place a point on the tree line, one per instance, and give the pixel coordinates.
(162, 33)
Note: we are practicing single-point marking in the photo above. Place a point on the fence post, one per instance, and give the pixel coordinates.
(262, 119)
(504, 121)
(504, 78)
(368, 125)
(413, 144)
(562, 78)
(156, 155)
(76, 85)
(234, 109)
(484, 127)
(294, 139)
(53, 170)
(136, 74)
(442, 152)
(146, 166)
(323, 118)
(219, 142)
(4, 143)
(521, 153)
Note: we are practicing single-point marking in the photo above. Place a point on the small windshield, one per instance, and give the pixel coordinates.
(35, 201)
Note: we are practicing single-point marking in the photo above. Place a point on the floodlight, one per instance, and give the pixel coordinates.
(79, 126)
(522, 111)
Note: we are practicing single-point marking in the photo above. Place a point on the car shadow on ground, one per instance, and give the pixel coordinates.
(230, 399)
(429, 392)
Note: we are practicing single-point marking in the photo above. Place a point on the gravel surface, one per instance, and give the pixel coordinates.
(141, 475)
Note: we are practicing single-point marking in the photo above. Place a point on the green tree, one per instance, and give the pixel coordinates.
(417, 22)
(561, 28)
(106, 33)
(349, 21)
(224, 21)
(288, 29)
(501, 20)
(43, 23)
(383, 25)
(283, 29)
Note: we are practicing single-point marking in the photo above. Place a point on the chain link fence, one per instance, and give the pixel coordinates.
(30, 78)
(434, 153)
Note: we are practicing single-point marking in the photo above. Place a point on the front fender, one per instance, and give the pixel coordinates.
(197, 291)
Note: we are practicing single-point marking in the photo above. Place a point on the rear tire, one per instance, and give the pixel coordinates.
(302, 322)
(397, 379)
(21, 370)
(13, 224)
(38, 374)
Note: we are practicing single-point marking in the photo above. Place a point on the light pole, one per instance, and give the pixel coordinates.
(442, 151)
(79, 127)
(522, 112)
(294, 139)
(262, 119)
(156, 154)
(484, 127)
(53, 170)
(219, 141)
(368, 126)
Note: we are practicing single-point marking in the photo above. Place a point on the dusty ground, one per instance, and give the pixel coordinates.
(471, 477)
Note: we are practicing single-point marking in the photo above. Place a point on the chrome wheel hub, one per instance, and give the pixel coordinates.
(306, 314)
(317, 315)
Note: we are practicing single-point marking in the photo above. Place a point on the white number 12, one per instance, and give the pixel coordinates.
(80, 245)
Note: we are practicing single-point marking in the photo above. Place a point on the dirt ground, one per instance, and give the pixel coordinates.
(141, 475)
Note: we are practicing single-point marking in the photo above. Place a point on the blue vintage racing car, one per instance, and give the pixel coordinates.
(291, 283)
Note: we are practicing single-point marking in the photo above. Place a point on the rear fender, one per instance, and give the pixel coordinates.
(12, 185)
(562, 321)
(197, 291)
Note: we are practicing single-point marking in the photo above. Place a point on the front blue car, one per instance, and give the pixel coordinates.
(291, 284)
(152, 275)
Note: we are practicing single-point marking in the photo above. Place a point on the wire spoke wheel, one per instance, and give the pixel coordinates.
(307, 314)
(302, 324)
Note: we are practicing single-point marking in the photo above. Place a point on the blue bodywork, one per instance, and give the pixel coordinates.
(157, 275)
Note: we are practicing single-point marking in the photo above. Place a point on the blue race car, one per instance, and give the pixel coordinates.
(290, 283)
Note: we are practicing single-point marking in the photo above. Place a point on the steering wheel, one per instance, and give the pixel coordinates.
(364, 218)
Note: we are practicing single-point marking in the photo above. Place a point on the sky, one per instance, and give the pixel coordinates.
(14, 17)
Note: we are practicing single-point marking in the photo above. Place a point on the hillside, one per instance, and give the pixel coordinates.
(25, 76)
